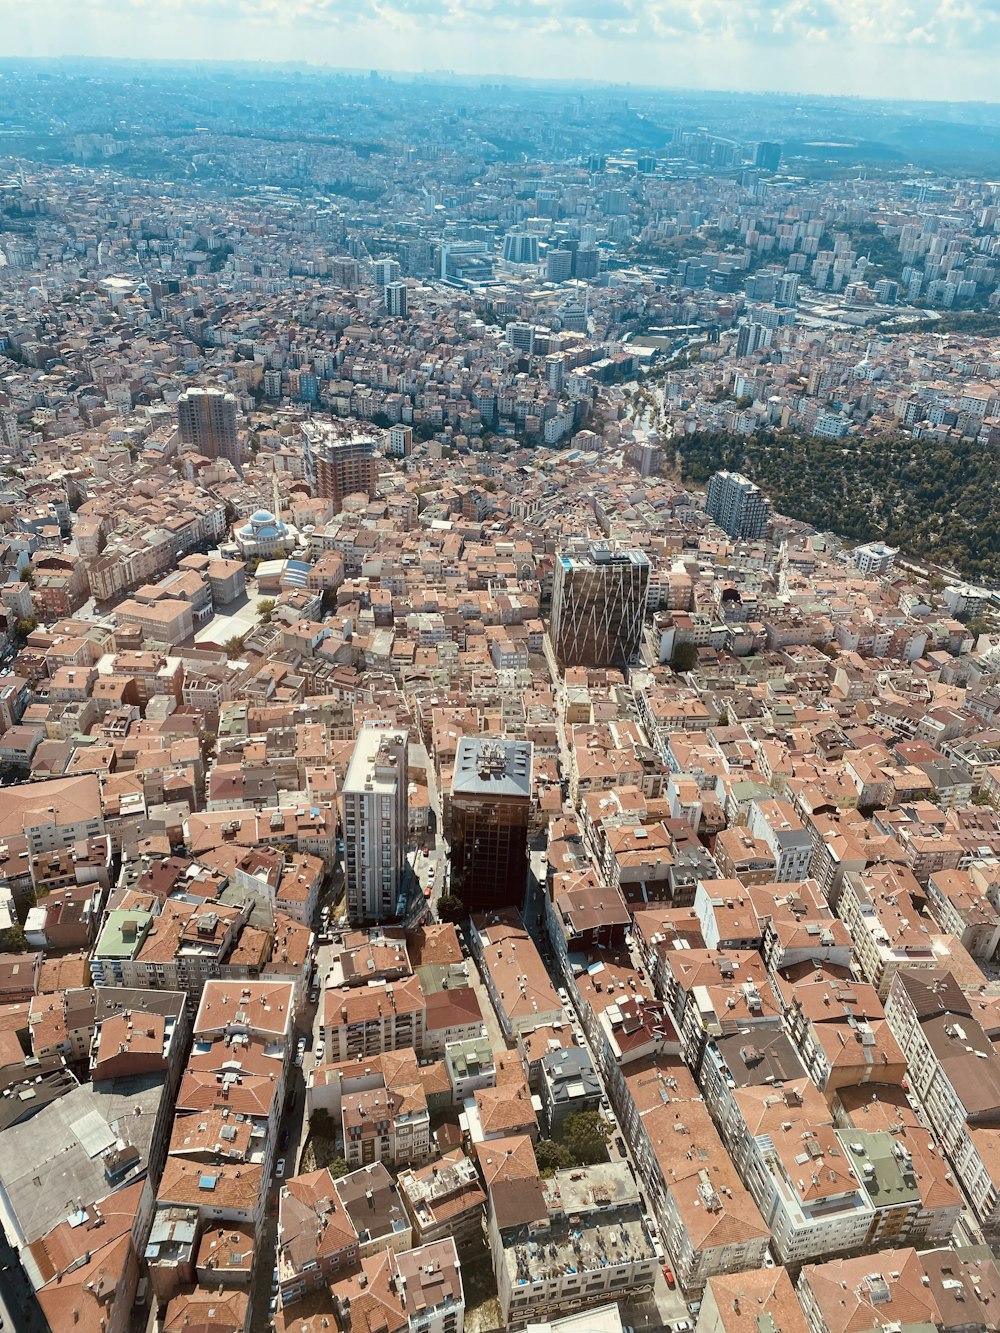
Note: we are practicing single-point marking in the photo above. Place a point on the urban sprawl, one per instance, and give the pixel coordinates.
(457, 870)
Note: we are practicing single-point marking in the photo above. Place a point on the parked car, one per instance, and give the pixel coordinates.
(300, 1052)
(279, 1170)
(668, 1275)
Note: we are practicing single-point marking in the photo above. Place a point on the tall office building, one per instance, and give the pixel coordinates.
(520, 248)
(559, 265)
(587, 264)
(768, 156)
(395, 299)
(207, 421)
(336, 465)
(375, 823)
(738, 505)
(490, 810)
(598, 605)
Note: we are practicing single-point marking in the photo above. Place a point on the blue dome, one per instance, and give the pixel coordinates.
(262, 516)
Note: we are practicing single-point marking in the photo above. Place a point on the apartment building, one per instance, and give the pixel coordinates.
(575, 1214)
(513, 973)
(777, 825)
(445, 1198)
(879, 911)
(316, 1237)
(375, 824)
(882, 1290)
(365, 1021)
(390, 1124)
(708, 1221)
(954, 1071)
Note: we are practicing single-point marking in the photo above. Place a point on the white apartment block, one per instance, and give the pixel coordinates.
(375, 823)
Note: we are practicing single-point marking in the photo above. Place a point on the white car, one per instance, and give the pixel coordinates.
(279, 1170)
(300, 1052)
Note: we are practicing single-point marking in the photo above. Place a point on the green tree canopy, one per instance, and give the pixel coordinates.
(451, 909)
(685, 656)
(552, 1156)
(586, 1135)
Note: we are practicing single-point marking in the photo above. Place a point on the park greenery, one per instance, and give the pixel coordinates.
(938, 501)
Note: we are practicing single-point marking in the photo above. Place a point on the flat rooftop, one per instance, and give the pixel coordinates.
(488, 767)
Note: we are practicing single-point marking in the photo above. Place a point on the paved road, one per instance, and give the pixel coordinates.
(19, 1306)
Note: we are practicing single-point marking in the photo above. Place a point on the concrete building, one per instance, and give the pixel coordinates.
(207, 421)
(445, 1198)
(339, 465)
(874, 559)
(375, 824)
(551, 1240)
(738, 506)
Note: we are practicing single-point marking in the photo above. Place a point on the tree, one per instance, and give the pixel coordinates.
(234, 646)
(552, 1156)
(328, 603)
(23, 627)
(586, 1135)
(684, 658)
(451, 909)
(338, 1167)
(13, 940)
(265, 610)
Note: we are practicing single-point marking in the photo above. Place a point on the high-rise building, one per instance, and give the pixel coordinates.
(345, 272)
(598, 605)
(400, 441)
(490, 810)
(520, 248)
(337, 466)
(386, 271)
(207, 421)
(8, 428)
(559, 265)
(768, 156)
(395, 299)
(587, 263)
(751, 338)
(786, 291)
(555, 371)
(521, 336)
(738, 505)
(375, 823)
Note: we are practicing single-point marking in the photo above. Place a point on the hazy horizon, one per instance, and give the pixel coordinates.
(925, 50)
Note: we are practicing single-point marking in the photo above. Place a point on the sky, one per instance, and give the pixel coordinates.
(920, 49)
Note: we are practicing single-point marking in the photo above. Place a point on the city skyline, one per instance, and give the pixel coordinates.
(930, 50)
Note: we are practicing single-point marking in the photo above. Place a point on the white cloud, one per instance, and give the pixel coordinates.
(859, 46)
